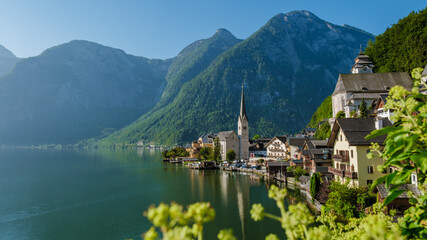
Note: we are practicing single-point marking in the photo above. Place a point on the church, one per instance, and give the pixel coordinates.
(238, 142)
(363, 84)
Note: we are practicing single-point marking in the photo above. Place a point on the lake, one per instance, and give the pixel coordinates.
(101, 194)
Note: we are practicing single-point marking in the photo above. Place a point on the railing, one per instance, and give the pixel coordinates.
(342, 173)
(276, 150)
(340, 158)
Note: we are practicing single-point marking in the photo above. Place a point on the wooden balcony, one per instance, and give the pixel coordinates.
(340, 158)
(342, 173)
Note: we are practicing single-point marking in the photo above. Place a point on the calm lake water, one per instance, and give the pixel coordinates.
(101, 194)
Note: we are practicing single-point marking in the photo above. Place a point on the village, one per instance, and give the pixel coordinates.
(358, 109)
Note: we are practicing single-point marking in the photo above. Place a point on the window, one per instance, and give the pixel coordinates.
(368, 151)
(340, 138)
(337, 151)
(351, 153)
(384, 171)
(368, 182)
(370, 169)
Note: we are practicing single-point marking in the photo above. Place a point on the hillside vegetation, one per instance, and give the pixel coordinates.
(403, 46)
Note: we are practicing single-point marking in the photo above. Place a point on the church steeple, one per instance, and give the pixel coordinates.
(362, 63)
(242, 106)
(243, 130)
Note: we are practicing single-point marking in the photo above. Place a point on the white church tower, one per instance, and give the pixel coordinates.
(243, 130)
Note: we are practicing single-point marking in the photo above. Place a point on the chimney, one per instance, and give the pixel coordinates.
(378, 123)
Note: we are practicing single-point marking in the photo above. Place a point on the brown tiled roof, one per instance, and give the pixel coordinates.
(223, 135)
(408, 187)
(356, 129)
(372, 82)
(280, 138)
(299, 142)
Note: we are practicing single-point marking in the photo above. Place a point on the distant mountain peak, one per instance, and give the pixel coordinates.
(222, 32)
(4, 52)
(302, 13)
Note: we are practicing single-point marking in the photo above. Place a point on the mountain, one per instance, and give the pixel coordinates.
(403, 46)
(192, 60)
(287, 68)
(7, 60)
(76, 91)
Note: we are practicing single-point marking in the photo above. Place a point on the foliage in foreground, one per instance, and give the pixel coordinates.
(348, 201)
(405, 149)
(299, 223)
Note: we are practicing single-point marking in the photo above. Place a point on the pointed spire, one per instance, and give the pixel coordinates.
(360, 51)
(242, 106)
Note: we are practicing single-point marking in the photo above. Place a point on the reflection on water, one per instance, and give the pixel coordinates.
(101, 194)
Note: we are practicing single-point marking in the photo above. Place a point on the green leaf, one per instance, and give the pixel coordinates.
(378, 181)
(420, 159)
(393, 195)
(389, 179)
(380, 132)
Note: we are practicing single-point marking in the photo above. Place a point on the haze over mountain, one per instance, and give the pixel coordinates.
(7, 60)
(75, 91)
(287, 68)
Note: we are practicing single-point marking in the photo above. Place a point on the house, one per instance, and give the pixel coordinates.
(364, 85)
(316, 156)
(276, 148)
(206, 140)
(309, 132)
(401, 203)
(257, 148)
(379, 107)
(294, 145)
(350, 150)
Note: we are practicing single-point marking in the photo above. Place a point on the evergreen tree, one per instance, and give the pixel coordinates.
(314, 184)
(363, 111)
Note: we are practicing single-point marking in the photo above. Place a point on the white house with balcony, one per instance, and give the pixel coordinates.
(276, 148)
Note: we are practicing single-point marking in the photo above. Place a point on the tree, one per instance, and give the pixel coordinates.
(205, 152)
(340, 114)
(363, 111)
(230, 155)
(348, 201)
(216, 153)
(299, 172)
(323, 132)
(256, 137)
(314, 184)
(165, 154)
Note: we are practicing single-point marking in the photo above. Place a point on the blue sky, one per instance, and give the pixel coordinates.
(162, 28)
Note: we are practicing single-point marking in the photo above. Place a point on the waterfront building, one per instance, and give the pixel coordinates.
(257, 148)
(350, 150)
(294, 145)
(316, 156)
(276, 148)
